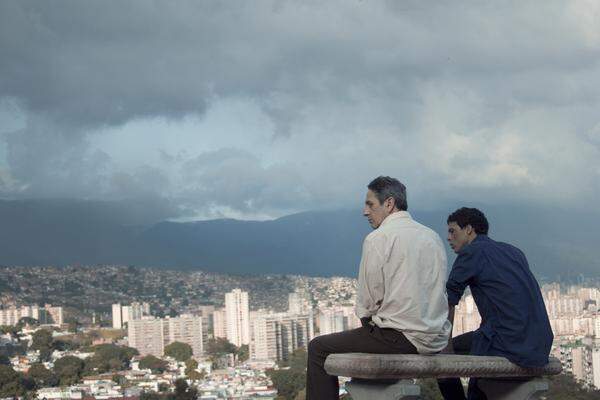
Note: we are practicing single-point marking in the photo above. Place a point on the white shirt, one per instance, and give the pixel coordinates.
(402, 282)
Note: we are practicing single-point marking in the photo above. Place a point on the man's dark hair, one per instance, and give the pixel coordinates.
(470, 216)
(385, 187)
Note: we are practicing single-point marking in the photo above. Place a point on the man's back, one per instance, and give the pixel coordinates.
(514, 319)
(410, 260)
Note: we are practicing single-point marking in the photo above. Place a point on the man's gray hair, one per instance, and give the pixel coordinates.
(385, 187)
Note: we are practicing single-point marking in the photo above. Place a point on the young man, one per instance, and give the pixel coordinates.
(401, 298)
(514, 322)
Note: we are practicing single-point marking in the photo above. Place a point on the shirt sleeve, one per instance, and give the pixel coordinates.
(370, 280)
(465, 269)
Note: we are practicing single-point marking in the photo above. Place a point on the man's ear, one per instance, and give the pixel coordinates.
(469, 229)
(390, 203)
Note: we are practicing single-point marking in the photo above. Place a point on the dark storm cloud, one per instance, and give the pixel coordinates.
(500, 97)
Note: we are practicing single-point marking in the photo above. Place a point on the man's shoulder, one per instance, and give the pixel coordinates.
(405, 229)
(485, 245)
(488, 242)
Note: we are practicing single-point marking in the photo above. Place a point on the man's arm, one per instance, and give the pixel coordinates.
(464, 270)
(450, 347)
(370, 281)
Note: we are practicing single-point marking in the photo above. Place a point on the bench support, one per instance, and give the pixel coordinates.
(495, 389)
(501, 389)
(363, 389)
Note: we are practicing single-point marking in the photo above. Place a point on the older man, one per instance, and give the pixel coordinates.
(401, 300)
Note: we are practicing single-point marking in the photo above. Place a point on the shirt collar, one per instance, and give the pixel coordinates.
(480, 237)
(395, 216)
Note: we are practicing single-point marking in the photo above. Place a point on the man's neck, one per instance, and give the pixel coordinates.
(473, 238)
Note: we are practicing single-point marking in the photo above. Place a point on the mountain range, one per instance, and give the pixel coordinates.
(559, 244)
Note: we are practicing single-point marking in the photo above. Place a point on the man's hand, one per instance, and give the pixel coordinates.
(449, 349)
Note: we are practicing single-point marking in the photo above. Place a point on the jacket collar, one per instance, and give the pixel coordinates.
(395, 216)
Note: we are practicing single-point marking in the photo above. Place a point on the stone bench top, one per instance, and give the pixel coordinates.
(402, 366)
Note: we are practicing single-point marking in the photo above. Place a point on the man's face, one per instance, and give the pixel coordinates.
(458, 237)
(375, 211)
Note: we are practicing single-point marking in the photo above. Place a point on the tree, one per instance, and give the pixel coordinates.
(296, 360)
(45, 354)
(68, 370)
(41, 340)
(183, 391)
(288, 382)
(73, 325)
(243, 353)
(179, 351)
(11, 382)
(292, 379)
(155, 364)
(119, 379)
(12, 330)
(219, 347)
(163, 387)
(565, 387)
(109, 357)
(27, 321)
(42, 376)
(191, 370)
(151, 396)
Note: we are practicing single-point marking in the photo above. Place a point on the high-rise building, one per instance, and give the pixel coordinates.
(54, 315)
(331, 320)
(299, 302)
(466, 316)
(207, 314)
(238, 317)
(220, 324)
(150, 335)
(596, 366)
(277, 335)
(184, 329)
(47, 315)
(123, 314)
(147, 336)
(337, 319)
(11, 315)
(117, 319)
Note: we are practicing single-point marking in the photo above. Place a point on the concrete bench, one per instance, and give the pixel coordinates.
(389, 376)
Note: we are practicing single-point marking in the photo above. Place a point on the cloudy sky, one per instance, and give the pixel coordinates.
(260, 109)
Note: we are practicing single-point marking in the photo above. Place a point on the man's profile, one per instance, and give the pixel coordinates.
(401, 299)
(514, 322)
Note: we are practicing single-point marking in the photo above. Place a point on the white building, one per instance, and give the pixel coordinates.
(151, 335)
(238, 317)
(123, 314)
(337, 319)
(146, 335)
(47, 315)
(184, 329)
(220, 324)
(596, 366)
(466, 316)
(277, 335)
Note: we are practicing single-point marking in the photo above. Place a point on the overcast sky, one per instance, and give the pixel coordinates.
(264, 108)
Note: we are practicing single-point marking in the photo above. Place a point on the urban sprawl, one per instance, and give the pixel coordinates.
(220, 335)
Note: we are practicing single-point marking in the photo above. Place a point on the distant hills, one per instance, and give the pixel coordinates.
(559, 244)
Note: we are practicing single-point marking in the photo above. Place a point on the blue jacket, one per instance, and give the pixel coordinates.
(514, 322)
